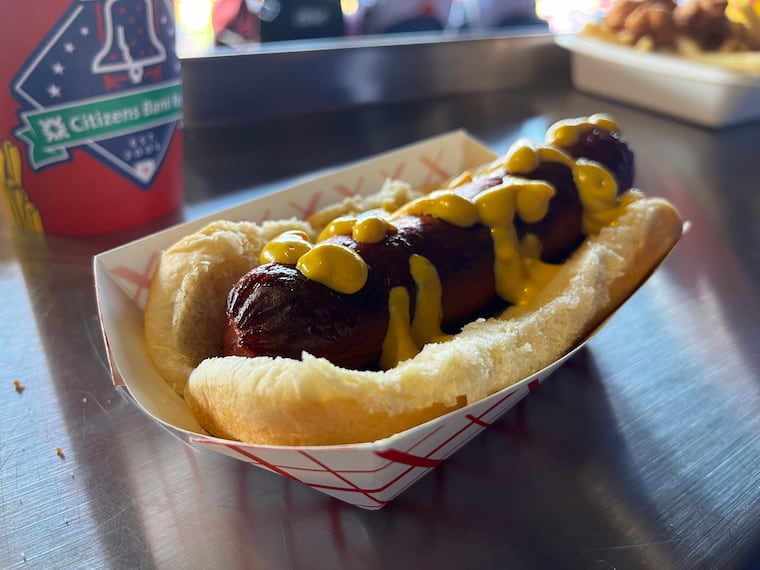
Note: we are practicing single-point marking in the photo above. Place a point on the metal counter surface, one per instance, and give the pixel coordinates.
(642, 452)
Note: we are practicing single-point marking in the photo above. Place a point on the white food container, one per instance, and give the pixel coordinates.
(367, 475)
(699, 93)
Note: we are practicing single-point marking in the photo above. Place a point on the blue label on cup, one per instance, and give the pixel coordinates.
(105, 80)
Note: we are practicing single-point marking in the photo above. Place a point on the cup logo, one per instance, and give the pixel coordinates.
(105, 80)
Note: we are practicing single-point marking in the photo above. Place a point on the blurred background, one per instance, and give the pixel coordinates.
(206, 25)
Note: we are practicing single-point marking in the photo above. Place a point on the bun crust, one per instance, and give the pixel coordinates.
(282, 401)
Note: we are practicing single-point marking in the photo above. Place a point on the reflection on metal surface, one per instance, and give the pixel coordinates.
(641, 452)
(230, 88)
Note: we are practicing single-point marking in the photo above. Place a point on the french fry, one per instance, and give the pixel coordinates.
(743, 62)
(12, 162)
(739, 50)
(33, 218)
(24, 212)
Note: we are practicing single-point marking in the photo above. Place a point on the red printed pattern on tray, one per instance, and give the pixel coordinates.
(387, 471)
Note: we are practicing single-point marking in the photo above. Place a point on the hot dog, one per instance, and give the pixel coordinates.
(275, 310)
(356, 334)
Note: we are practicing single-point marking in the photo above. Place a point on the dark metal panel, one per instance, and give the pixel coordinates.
(232, 87)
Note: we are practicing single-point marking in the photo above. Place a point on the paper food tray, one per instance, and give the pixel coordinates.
(367, 475)
(696, 92)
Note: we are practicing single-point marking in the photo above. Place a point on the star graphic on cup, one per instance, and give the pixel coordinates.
(54, 90)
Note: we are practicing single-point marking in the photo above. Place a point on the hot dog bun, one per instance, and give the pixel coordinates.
(283, 401)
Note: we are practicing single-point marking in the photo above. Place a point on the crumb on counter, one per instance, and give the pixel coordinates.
(18, 386)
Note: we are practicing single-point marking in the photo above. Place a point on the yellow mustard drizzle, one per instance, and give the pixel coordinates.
(461, 180)
(428, 310)
(445, 205)
(398, 344)
(565, 133)
(336, 266)
(288, 247)
(341, 226)
(370, 228)
(519, 272)
(404, 339)
(596, 186)
(601, 205)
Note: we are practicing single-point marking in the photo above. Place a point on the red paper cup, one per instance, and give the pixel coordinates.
(90, 114)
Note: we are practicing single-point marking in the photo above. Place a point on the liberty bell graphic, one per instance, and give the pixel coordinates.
(130, 43)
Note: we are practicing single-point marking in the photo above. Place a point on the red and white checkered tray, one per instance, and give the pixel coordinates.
(367, 475)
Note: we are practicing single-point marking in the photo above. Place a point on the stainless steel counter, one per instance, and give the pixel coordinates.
(642, 452)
